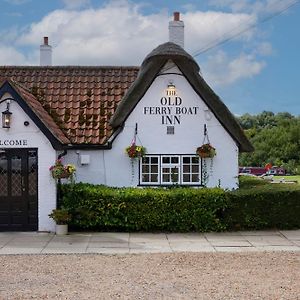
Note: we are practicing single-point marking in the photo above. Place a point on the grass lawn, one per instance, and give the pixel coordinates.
(289, 178)
(256, 183)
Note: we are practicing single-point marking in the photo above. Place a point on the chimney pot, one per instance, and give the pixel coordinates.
(176, 30)
(176, 16)
(45, 53)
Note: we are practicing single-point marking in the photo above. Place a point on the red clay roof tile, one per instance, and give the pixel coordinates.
(82, 98)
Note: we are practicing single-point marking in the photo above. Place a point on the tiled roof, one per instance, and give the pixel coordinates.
(40, 112)
(80, 100)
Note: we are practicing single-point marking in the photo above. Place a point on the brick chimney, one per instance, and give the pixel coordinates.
(45, 53)
(176, 30)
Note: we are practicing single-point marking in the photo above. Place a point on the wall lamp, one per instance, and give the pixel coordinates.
(171, 89)
(6, 115)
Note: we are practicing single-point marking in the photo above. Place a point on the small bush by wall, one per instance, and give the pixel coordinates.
(131, 209)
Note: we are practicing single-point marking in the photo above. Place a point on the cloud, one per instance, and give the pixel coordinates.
(222, 70)
(9, 54)
(253, 7)
(118, 33)
(75, 4)
(264, 49)
(206, 29)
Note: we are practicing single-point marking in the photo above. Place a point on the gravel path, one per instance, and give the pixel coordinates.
(257, 275)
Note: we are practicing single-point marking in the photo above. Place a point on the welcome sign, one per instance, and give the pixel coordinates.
(13, 142)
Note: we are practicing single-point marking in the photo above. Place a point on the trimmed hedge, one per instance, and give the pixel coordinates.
(257, 206)
(269, 206)
(131, 209)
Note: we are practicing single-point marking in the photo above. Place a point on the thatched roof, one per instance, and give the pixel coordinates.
(190, 69)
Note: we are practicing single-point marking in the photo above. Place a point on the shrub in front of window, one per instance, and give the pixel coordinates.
(130, 209)
(134, 151)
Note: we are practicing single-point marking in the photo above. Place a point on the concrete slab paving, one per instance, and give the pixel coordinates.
(291, 234)
(124, 243)
(105, 244)
(226, 243)
(108, 250)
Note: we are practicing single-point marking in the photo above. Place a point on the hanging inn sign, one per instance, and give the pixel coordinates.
(171, 108)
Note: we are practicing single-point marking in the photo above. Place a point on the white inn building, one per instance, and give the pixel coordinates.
(89, 115)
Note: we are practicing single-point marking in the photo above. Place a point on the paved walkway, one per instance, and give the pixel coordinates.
(124, 243)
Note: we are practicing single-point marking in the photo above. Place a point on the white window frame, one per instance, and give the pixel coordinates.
(162, 164)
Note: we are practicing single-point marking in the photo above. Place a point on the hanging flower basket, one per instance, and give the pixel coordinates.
(134, 151)
(206, 151)
(59, 171)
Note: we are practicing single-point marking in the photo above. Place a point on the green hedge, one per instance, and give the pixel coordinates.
(131, 209)
(257, 206)
(268, 206)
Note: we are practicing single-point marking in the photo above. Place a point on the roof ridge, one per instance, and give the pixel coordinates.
(19, 85)
(68, 67)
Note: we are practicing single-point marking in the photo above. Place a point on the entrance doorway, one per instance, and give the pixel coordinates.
(18, 190)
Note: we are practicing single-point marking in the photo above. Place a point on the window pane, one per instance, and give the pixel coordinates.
(3, 174)
(195, 159)
(145, 160)
(154, 177)
(186, 169)
(154, 160)
(174, 160)
(186, 178)
(166, 170)
(145, 169)
(166, 160)
(166, 178)
(174, 177)
(195, 178)
(145, 178)
(186, 160)
(195, 169)
(154, 169)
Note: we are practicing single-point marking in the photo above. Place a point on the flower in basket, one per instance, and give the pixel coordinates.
(134, 151)
(58, 170)
(206, 150)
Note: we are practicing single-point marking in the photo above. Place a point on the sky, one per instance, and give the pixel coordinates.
(248, 50)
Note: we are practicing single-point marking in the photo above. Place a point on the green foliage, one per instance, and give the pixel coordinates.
(267, 206)
(251, 182)
(61, 216)
(256, 205)
(276, 139)
(129, 209)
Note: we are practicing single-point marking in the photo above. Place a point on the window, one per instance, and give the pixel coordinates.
(150, 169)
(170, 169)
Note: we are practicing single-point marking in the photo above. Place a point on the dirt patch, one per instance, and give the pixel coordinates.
(272, 275)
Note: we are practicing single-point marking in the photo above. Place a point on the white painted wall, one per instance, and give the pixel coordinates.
(113, 167)
(46, 157)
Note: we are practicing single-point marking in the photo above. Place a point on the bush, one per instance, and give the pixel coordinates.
(131, 209)
(266, 206)
(258, 205)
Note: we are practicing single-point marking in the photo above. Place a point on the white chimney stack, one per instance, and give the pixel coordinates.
(45, 53)
(176, 30)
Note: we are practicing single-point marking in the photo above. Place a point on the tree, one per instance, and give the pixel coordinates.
(276, 139)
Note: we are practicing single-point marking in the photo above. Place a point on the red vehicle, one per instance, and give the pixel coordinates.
(258, 171)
